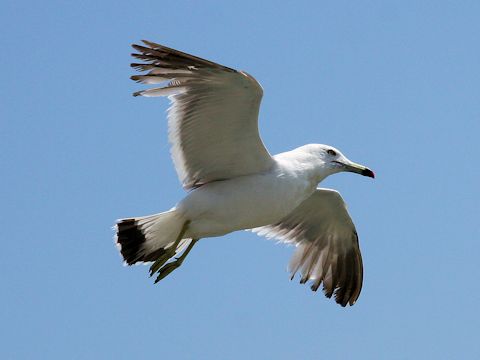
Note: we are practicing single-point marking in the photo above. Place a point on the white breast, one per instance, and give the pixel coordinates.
(244, 202)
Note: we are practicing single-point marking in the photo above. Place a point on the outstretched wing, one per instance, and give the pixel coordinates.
(327, 245)
(213, 120)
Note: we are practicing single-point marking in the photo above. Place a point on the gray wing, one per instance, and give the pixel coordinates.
(213, 120)
(327, 245)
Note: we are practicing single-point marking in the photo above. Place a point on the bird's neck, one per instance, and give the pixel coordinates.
(304, 164)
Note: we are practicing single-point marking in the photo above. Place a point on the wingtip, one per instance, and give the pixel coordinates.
(138, 66)
(138, 47)
(151, 44)
(136, 78)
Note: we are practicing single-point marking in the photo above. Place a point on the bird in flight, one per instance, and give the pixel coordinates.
(234, 183)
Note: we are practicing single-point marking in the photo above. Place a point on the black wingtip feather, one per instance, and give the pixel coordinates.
(151, 44)
(154, 53)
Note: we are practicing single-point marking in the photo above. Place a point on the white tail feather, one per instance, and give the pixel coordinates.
(141, 239)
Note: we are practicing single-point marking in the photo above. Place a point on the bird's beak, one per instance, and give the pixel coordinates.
(359, 169)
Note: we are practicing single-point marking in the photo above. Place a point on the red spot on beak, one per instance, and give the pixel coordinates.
(369, 173)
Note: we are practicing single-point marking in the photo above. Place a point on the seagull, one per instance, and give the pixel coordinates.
(234, 183)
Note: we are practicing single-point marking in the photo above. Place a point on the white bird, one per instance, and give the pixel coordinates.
(233, 182)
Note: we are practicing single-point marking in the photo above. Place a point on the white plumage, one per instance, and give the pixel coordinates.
(235, 184)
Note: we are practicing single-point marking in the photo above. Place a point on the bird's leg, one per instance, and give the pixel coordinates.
(170, 251)
(168, 268)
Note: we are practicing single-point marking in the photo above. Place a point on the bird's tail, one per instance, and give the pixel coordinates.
(145, 239)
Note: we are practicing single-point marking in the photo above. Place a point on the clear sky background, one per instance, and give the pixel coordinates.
(394, 84)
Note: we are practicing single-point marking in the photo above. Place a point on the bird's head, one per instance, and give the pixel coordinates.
(334, 161)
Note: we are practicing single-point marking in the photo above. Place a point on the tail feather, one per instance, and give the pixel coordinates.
(145, 239)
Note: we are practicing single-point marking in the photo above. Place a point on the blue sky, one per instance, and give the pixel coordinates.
(393, 84)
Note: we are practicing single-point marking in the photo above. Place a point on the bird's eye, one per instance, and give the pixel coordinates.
(331, 152)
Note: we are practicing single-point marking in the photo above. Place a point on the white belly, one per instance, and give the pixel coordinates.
(245, 202)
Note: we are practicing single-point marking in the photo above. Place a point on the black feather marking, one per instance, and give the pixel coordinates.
(159, 54)
(131, 239)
